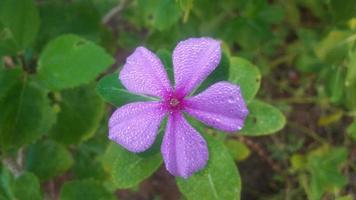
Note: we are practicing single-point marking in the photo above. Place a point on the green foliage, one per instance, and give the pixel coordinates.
(87, 165)
(111, 90)
(25, 111)
(245, 74)
(351, 72)
(59, 17)
(336, 80)
(27, 187)
(8, 78)
(127, 169)
(351, 130)
(297, 55)
(7, 184)
(350, 82)
(332, 48)
(167, 14)
(216, 180)
(48, 159)
(83, 61)
(160, 14)
(263, 119)
(342, 10)
(19, 24)
(81, 110)
(324, 167)
(238, 150)
(85, 189)
(297, 162)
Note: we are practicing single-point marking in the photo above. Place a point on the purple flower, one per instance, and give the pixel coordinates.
(135, 125)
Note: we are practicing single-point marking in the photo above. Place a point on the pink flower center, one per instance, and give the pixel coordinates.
(173, 101)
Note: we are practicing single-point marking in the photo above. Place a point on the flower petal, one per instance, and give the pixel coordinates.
(135, 125)
(184, 150)
(143, 73)
(220, 106)
(193, 60)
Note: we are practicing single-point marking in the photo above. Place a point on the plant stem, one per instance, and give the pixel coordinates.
(13, 166)
(308, 131)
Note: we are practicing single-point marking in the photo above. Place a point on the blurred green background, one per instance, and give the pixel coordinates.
(53, 123)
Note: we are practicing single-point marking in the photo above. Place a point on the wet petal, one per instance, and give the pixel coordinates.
(184, 150)
(135, 125)
(143, 73)
(220, 106)
(193, 60)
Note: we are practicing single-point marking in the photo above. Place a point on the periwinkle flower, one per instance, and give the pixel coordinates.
(135, 125)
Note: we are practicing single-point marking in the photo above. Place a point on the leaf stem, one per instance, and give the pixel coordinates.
(113, 12)
(308, 131)
(13, 166)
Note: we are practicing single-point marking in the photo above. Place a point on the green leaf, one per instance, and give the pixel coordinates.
(48, 159)
(20, 23)
(128, 169)
(70, 61)
(342, 10)
(159, 14)
(87, 165)
(221, 73)
(297, 161)
(309, 63)
(24, 187)
(8, 45)
(238, 150)
(351, 96)
(351, 130)
(264, 119)
(351, 69)
(166, 15)
(76, 17)
(220, 179)
(333, 48)
(81, 110)
(85, 189)
(249, 34)
(334, 85)
(8, 78)
(27, 187)
(273, 14)
(324, 167)
(25, 114)
(112, 91)
(6, 184)
(350, 82)
(245, 74)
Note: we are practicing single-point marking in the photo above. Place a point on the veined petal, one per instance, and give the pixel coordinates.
(184, 150)
(135, 125)
(220, 106)
(193, 60)
(143, 73)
